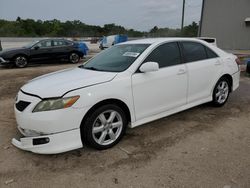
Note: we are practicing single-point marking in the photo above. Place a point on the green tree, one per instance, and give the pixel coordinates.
(55, 28)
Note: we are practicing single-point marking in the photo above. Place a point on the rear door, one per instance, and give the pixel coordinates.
(204, 68)
(160, 91)
(61, 49)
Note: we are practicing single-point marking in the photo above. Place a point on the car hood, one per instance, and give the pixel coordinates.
(10, 50)
(58, 83)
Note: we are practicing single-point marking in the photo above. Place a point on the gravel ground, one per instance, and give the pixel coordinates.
(200, 147)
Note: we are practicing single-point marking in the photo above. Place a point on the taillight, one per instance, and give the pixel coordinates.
(238, 61)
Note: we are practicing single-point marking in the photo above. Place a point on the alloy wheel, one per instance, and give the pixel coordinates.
(21, 61)
(74, 58)
(222, 92)
(107, 127)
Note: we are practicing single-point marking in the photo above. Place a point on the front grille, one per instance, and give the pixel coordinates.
(21, 105)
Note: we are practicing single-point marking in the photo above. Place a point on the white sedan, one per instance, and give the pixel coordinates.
(127, 85)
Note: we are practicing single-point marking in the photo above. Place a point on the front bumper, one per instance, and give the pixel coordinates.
(50, 144)
(47, 122)
(48, 132)
(4, 61)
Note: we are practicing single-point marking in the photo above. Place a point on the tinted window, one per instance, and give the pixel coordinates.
(68, 42)
(211, 54)
(59, 43)
(166, 55)
(194, 51)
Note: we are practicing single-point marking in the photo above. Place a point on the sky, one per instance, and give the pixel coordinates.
(133, 14)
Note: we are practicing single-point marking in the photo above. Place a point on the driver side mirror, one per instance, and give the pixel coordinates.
(36, 47)
(149, 67)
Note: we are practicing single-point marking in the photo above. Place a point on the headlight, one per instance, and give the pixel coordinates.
(55, 104)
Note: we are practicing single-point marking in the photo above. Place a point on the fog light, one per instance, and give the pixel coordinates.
(40, 141)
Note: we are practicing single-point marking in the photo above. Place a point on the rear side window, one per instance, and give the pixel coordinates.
(58, 43)
(210, 53)
(68, 42)
(194, 51)
(166, 55)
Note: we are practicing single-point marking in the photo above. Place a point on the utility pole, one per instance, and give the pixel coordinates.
(183, 15)
(201, 19)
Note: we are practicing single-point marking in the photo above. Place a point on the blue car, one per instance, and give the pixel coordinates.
(83, 48)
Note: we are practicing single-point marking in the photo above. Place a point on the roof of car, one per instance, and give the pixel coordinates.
(157, 41)
(160, 40)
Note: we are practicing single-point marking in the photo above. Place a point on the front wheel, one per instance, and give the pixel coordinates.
(21, 61)
(221, 92)
(104, 127)
(74, 58)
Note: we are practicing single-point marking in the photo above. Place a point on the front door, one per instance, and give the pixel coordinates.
(42, 51)
(163, 90)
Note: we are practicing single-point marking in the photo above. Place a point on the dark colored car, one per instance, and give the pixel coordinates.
(248, 66)
(43, 50)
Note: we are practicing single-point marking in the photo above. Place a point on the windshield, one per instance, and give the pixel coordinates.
(116, 59)
(31, 44)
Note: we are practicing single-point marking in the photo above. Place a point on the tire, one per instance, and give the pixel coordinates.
(248, 67)
(21, 61)
(101, 47)
(74, 58)
(221, 92)
(100, 130)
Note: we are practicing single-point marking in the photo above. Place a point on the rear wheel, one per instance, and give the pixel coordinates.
(104, 127)
(21, 61)
(74, 58)
(221, 92)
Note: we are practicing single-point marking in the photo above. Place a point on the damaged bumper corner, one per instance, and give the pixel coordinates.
(3, 61)
(50, 144)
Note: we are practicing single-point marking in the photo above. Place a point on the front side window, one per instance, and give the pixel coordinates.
(116, 59)
(165, 55)
(194, 51)
(29, 45)
(44, 44)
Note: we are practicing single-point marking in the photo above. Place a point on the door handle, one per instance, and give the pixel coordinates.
(181, 71)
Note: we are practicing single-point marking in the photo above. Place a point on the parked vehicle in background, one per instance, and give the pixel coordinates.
(83, 48)
(44, 50)
(209, 40)
(109, 41)
(94, 40)
(129, 84)
(248, 66)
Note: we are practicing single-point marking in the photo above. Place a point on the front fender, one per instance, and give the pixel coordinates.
(119, 89)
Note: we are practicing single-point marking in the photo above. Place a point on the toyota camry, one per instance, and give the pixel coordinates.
(127, 85)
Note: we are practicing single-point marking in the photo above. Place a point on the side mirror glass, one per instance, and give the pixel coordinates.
(149, 67)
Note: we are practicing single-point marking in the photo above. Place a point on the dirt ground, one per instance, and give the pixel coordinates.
(200, 147)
